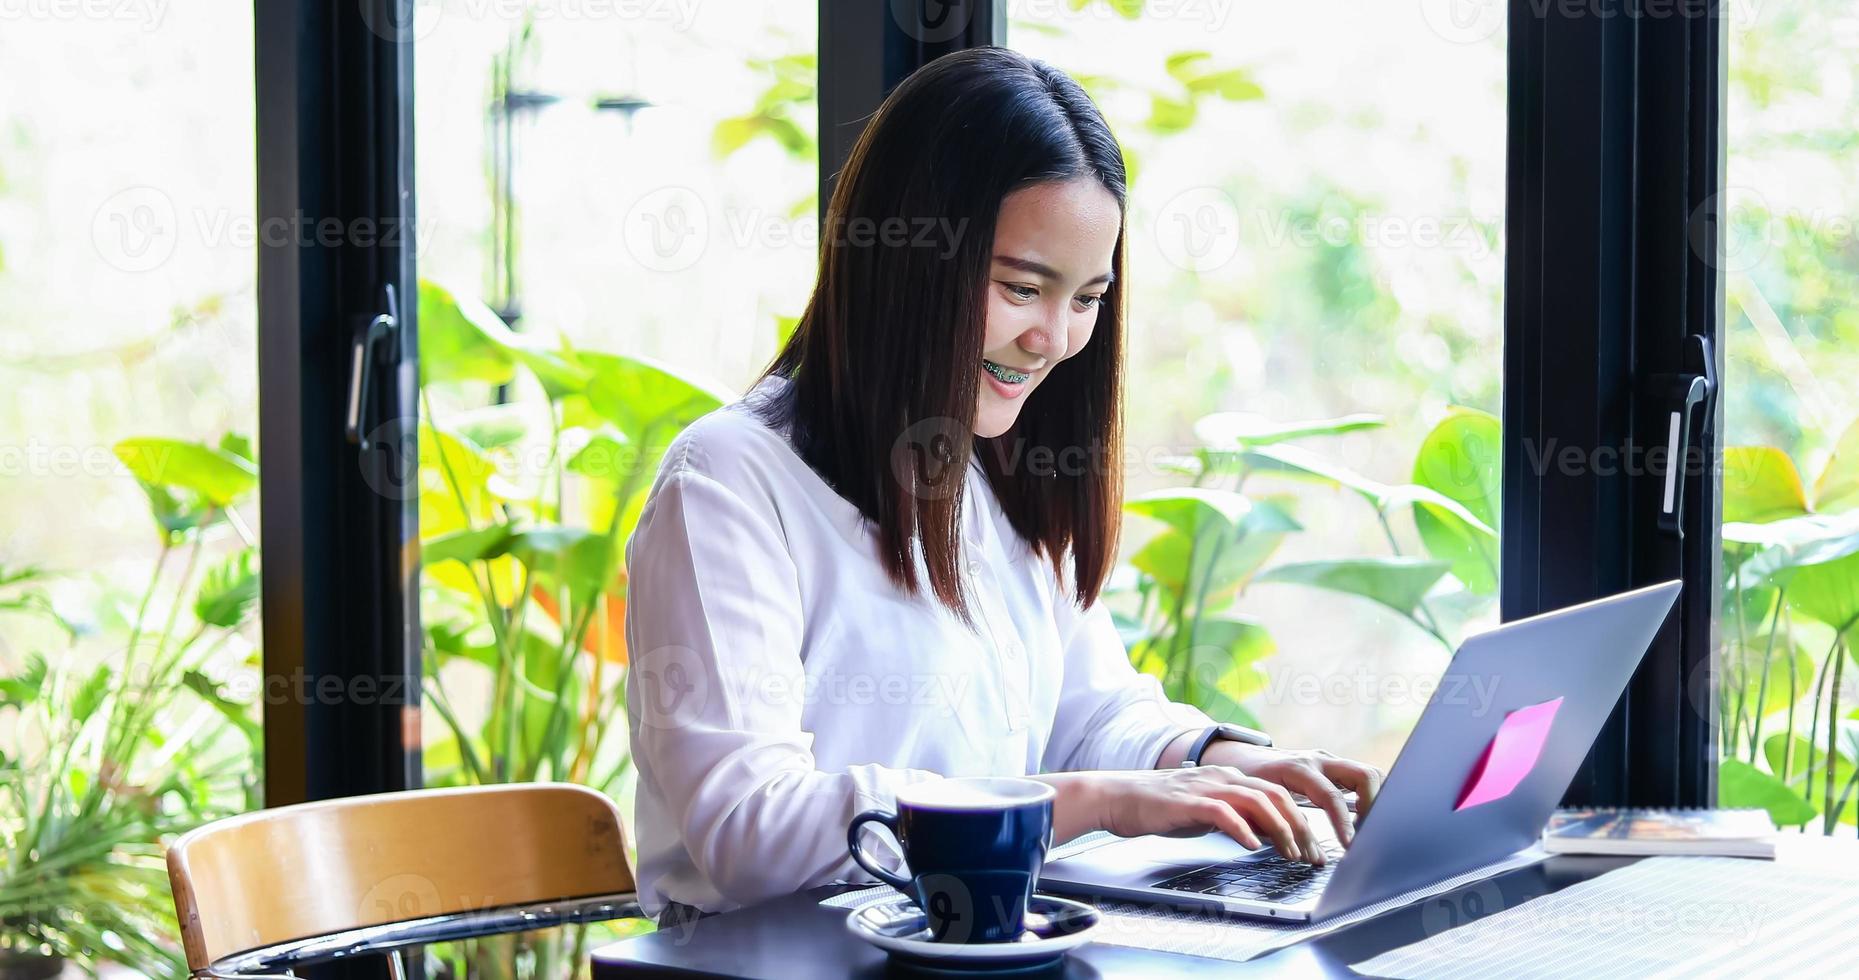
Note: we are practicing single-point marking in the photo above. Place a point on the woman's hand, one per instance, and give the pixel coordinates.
(1321, 777)
(1182, 802)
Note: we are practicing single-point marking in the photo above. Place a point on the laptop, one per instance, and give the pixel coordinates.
(1496, 747)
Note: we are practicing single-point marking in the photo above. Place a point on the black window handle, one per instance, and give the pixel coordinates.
(1688, 397)
(365, 351)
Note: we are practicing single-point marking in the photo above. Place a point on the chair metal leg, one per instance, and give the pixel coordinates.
(396, 967)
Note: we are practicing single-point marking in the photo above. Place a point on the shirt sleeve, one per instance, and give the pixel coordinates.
(714, 697)
(1110, 715)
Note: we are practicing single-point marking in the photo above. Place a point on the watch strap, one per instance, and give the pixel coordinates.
(1199, 746)
(1224, 731)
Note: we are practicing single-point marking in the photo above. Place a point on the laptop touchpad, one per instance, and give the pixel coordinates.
(1147, 859)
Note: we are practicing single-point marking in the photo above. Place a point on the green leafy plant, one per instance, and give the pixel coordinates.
(1790, 620)
(525, 509)
(115, 755)
(1215, 540)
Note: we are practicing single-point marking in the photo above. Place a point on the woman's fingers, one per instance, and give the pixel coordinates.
(1255, 810)
(1280, 797)
(1269, 809)
(1316, 786)
(1219, 814)
(1364, 780)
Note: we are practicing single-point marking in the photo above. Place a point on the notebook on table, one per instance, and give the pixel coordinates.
(1648, 831)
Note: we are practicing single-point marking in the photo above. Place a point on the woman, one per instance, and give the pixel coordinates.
(882, 565)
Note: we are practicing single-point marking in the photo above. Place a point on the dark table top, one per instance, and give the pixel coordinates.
(795, 937)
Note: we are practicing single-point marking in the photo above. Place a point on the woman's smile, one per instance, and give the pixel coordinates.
(1007, 382)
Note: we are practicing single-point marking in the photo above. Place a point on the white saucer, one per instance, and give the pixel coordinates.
(1054, 925)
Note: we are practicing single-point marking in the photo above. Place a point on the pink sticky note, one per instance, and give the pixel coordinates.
(1510, 756)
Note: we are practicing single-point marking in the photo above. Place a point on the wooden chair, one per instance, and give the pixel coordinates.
(271, 890)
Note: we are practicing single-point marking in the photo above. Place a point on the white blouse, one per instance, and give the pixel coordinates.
(780, 683)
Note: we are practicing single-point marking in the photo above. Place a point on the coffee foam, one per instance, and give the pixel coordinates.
(974, 793)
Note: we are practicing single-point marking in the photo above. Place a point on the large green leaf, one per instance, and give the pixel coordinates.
(1472, 541)
(1297, 461)
(455, 471)
(1460, 460)
(1471, 550)
(1803, 756)
(1224, 653)
(1190, 510)
(455, 639)
(461, 339)
(1214, 669)
(580, 559)
(1167, 557)
(1837, 489)
(1215, 539)
(1398, 583)
(574, 556)
(216, 476)
(1226, 430)
(492, 426)
(648, 402)
(1790, 544)
(466, 546)
(1740, 784)
(560, 372)
(608, 455)
(1806, 758)
(1828, 592)
(1761, 484)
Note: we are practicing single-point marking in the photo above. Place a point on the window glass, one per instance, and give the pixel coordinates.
(128, 517)
(1786, 693)
(1315, 321)
(617, 206)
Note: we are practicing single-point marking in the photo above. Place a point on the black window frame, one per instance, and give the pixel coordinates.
(1615, 173)
(339, 522)
(1615, 145)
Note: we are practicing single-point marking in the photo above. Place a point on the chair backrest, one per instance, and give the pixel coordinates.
(313, 869)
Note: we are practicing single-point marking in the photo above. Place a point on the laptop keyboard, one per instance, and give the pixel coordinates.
(1268, 879)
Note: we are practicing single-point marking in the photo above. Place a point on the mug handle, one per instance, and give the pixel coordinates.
(864, 860)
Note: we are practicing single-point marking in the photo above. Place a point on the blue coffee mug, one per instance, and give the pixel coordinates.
(973, 848)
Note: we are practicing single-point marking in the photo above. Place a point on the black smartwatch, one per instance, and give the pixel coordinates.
(1225, 731)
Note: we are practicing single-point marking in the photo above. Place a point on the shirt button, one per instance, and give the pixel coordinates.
(974, 568)
(1013, 649)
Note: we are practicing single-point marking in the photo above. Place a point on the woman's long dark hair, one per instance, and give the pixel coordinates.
(885, 360)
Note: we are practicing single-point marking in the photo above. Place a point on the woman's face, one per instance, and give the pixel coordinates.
(1053, 246)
